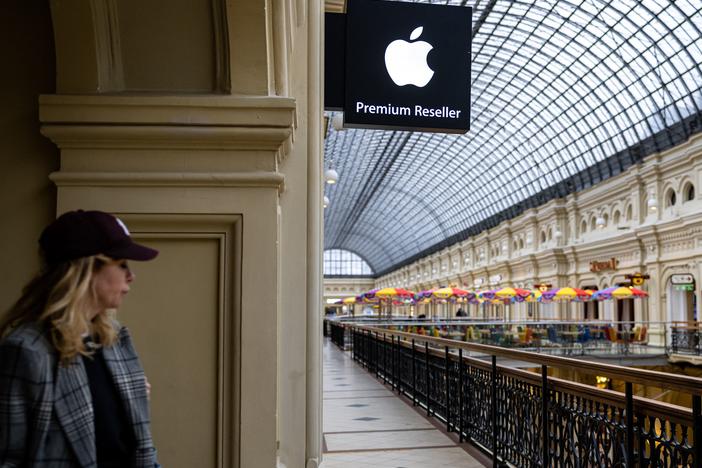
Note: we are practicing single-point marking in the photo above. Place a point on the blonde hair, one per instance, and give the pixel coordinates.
(59, 298)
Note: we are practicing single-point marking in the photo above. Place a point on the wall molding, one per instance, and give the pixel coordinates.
(168, 179)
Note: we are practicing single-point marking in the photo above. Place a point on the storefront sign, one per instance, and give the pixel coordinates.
(682, 279)
(637, 279)
(407, 66)
(610, 264)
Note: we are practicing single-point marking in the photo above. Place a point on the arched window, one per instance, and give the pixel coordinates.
(629, 215)
(543, 237)
(344, 263)
(670, 198)
(689, 192)
(583, 227)
(550, 234)
(615, 217)
(593, 223)
(521, 244)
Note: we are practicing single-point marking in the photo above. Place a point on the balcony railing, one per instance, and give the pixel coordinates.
(533, 420)
(685, 339)
(340, 334)
(591, 338)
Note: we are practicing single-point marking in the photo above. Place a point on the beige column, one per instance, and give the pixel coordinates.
(315, 91)
(198, 178)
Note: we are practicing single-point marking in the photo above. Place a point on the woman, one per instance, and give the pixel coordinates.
(72, 390)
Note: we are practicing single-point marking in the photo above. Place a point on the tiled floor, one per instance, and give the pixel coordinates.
(367, 425)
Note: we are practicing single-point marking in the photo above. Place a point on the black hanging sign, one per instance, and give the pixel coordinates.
(407, 66)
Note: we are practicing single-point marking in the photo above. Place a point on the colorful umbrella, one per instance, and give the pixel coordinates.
(427, 294)
(393, 292)
(566, 294)
(535, 297)
(619, 292)
(445, 293)
(487, 295)
(490, 297)
(516, 294)
(367, 297)
(349, 300)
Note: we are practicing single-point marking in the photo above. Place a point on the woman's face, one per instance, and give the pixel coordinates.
(111, 284)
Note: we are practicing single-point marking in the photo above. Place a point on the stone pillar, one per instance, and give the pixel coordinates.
(198, 178)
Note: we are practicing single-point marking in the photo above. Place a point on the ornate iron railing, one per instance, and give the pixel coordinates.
(686, 340)
(340, 334)
(506, 411)
(559, 337)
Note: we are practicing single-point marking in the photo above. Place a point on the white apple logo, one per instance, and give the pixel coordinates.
(406, 62)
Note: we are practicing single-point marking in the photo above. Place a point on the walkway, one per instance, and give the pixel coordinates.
(367, 425)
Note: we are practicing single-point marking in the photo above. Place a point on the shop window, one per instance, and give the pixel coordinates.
(689, 192)
(670, 198)
(682, 303)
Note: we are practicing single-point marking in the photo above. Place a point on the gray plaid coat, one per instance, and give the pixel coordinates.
(46, 411)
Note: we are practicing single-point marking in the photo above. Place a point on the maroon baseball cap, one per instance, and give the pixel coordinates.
(77, 234)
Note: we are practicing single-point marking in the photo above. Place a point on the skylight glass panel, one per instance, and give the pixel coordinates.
(554, 90)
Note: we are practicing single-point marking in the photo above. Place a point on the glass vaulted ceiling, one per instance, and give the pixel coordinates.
(565, 94)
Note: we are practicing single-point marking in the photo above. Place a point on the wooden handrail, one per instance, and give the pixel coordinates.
(684, 383)
(686, 327)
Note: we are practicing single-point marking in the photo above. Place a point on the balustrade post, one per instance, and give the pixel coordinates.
(545, 436)
(629, 424)
(460, 395)
(494, 411)
(398, 364)
(377, 355)
(697, 429)
(414, 374)
(426, 374)
(366, 349)
(395, 366)
(385, 361)
(448, 388)
(353, 347)
(369, 350)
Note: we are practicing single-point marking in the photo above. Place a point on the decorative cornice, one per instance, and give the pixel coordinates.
(169, 122)
(168, 179)
(166, 137)
(217, 110)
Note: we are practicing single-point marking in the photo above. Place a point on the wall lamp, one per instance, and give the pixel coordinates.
(652, 203)
(331, 176)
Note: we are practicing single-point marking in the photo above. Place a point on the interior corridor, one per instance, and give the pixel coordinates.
(367, 425)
